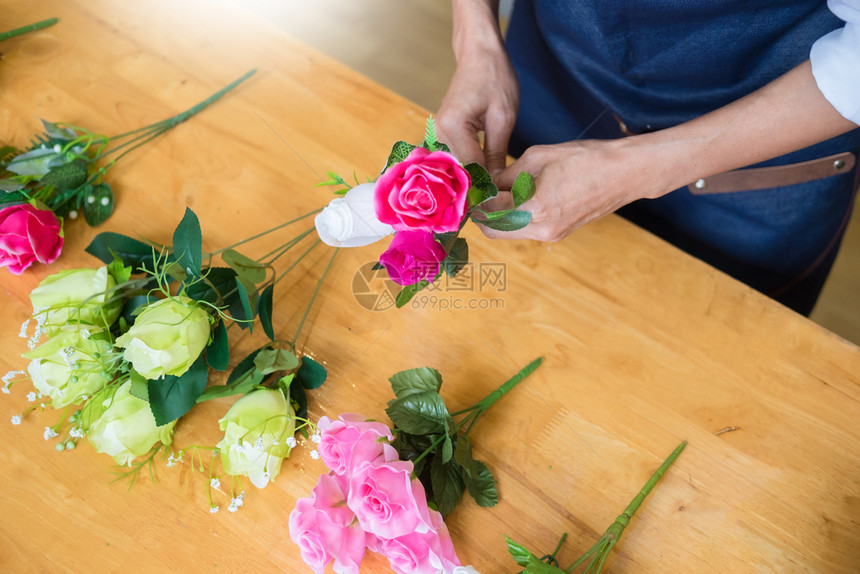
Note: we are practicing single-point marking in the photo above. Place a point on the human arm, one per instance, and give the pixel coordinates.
(483, 94)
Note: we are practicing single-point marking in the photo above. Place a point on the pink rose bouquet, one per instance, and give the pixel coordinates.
(412, 257)
(394, 486)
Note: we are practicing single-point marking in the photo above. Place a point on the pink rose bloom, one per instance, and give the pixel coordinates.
(417, 553)
(351, 440)
(386, 501)
(412, 257)
(426, 191)
(28, 235)
(324, 528)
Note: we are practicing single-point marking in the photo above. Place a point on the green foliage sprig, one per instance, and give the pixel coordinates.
(27, 29)
(60, 170)
(429, 436)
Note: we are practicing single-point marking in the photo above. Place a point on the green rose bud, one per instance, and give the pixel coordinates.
(68, 366)
(256, 429)
(166, 338)
(75, 295)
(127, 428)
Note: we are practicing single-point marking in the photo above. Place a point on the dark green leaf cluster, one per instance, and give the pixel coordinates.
(426, 434)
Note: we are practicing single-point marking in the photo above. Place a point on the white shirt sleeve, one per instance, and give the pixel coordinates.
(835, 61)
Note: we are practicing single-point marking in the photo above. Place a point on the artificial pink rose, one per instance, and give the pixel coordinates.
(324, 528)
(426, 191)
(351, 440)
(429, 552)
(28, 235)
(412, 257)
(386, 500)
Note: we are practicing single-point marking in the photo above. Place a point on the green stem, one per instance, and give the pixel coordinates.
(490, 399)
(277, 227)
(313, 298)
(296, 262)
(27, 29)
(428, 450)
(281, 251)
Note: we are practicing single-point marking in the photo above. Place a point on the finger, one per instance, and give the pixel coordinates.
(523, 233)
(497, 134)
(502, 201)
(528, 163)
(462, 138)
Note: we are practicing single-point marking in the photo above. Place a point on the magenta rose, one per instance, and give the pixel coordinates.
(324, 528)
(426, 191)
(416, 553)
(28, 235)
(351, 440)
(412, 257)
(387, 501)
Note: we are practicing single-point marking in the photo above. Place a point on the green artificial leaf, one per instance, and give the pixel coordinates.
(67, 176)
(416, 380)
(98, 204)
(377, 266)
(216, 286)
(311, 374)
(463, 456)
(54, 131)
(482, 486)
(218, 351)
(12, 198)
(139, 385)
(447, 239)
(398, 153)
(188, 244)
(243, 378)
(249, 271)
(447, 448)
(243, 312)
(457, 257)
(264, 307)
(270, 360)
(9, 186)
(411, 446)
(519, 552)
(419, 413)
(36, 163)
(299, 398)
(171, 397)
(134, 305)
(509, 222)
(483, 187)
(136, 254)
(285, 382)
(536, 566)
(447, 485)
(408, 292)
(7, 154)
(523, 189)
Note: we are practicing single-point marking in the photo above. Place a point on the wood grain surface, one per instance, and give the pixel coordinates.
(644, 346)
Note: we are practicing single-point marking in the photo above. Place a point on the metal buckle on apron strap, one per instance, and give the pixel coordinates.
(776, 176)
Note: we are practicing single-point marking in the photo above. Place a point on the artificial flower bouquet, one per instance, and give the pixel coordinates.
(61, 175)
(387, 490)
(130, 344)
(424, 196)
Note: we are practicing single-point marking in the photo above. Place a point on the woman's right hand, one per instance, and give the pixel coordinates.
(484, 93)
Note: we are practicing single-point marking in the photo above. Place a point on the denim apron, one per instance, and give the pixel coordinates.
(585, 66)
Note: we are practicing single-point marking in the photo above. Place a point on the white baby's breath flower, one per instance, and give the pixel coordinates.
(31, 396)
(16, 420)
(7, 378)
(24, 326)
(291, 442)
(5, 389)
(315, 455)
(76, 432)
(49, 433)
(215, 483)
(316, 438)
(214, 508)
(259, 444)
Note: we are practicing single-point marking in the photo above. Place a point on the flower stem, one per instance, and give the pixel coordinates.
(488, 401)
(261, 234)
(313, 298)
(600, 551)
(27, 29)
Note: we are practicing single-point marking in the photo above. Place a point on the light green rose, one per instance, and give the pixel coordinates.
(166, 338)
(71, 364)
(75, 295)
(256, 429)
(127, 429)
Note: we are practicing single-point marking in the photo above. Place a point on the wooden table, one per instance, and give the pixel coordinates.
(644, 345)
